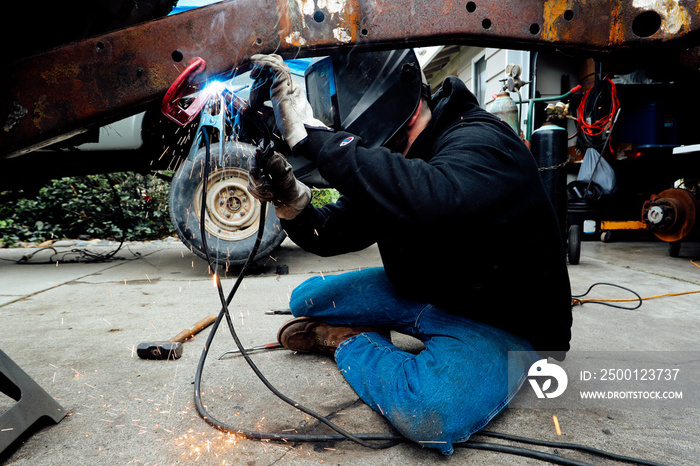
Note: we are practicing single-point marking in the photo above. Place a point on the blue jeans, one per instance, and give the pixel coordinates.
(442, 395)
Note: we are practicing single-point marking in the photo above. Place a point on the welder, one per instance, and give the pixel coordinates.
(473, 261)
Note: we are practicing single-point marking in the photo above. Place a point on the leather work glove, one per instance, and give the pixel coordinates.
(271, 179)
(292, 111)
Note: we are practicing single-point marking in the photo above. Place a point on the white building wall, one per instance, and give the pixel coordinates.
(550, 68)
(497, 60)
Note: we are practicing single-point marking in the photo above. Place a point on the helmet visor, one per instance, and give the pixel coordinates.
(369, 94)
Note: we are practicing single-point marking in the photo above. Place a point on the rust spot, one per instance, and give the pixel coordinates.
(289, 18)
(46, 110)
(552, 11)
(307, 22)
(67, 70)
(617, 30)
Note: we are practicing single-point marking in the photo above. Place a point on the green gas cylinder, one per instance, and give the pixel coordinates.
(505, 108)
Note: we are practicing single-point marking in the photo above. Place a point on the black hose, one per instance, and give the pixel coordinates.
(566, 446)
(577, 298)
(225, 301)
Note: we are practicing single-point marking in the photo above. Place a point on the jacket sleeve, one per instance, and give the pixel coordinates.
(471, 169)
(331, 230)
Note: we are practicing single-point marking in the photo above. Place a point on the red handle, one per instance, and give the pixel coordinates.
(170, 106)
(575, 89)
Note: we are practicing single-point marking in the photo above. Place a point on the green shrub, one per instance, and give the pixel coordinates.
(320, 197)
(114, 206)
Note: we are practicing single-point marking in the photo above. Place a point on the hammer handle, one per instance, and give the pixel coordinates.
(198, 327)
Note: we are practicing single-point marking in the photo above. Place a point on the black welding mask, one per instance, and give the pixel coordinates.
(369, 94)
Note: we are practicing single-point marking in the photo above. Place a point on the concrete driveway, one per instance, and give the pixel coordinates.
(73, 328)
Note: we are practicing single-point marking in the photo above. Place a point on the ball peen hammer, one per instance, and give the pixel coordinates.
(172, 349)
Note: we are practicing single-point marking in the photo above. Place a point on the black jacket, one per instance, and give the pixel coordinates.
(463, 222)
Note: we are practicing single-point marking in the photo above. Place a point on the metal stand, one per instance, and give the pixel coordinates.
(33, 403)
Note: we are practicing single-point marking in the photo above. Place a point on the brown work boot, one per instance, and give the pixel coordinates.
(308, 335)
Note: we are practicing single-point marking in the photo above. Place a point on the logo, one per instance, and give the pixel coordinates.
(346, 141)
(542, 369)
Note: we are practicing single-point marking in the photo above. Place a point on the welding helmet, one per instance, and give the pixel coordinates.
(369, 94)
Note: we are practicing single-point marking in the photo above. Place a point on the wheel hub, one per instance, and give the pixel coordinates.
(671, 214)
(232, 212)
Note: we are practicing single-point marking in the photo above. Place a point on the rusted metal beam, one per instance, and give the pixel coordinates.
(92, 82)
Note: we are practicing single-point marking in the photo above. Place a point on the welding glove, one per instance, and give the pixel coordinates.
(271, 179)
(293, 113)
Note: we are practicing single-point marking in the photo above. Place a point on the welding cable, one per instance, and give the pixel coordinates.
(605, 301)
(365, 439)
(576, 299)
(225, 301)
(538, 455)
(566, 446)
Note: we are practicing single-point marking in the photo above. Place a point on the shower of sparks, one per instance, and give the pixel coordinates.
(196, 444)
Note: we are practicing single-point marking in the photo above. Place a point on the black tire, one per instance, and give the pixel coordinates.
(232, 213)
(574, 244)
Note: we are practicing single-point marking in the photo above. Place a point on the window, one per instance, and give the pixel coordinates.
(480, 80)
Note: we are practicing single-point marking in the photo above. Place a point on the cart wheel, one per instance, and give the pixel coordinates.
(606, 236)
(574, 244)
(674, 248)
